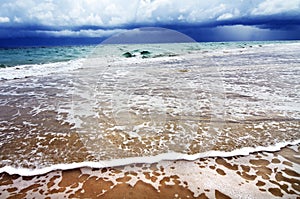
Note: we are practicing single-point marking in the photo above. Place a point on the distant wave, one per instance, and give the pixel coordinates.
(29, 70)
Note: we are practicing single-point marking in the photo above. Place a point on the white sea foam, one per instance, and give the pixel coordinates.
(237, 73)
(146, 159)
(24, 71)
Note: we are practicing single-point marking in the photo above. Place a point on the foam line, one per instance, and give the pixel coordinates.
(23, 71)
(149, 160)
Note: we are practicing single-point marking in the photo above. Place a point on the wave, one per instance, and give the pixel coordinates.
(146, 53)
(29, 70)
(171, 156)
(164, 88)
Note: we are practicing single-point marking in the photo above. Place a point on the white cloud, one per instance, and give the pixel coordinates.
(17, 19)
(225, 16)
(229, 15)
(117, 13)
(269, 7)
(80, 33)
(71, 13)
(4, 20)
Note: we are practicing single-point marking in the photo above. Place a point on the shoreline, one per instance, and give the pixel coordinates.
(260, 174)
(198, 104)
(146, 160)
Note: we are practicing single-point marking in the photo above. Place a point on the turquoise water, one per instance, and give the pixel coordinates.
(18, 63)
(41, 55)
(10, 57)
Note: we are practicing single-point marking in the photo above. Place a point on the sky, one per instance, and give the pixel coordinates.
(67, 22)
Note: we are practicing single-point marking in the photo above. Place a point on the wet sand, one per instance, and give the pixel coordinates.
(258, 103)
(258, 175)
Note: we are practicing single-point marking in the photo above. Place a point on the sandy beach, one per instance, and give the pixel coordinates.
(258, 175)
(220, 123)
(149, 99)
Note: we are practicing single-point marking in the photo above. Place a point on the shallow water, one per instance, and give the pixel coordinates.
(183, 102)
(258, 175)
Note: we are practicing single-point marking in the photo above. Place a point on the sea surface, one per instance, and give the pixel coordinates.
(111, 105)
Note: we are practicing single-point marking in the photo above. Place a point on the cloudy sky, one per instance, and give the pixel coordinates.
(33, 22)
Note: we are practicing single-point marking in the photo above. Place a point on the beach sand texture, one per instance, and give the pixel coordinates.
(259, 175)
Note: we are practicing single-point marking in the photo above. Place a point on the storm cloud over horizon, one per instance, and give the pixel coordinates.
(215, 20)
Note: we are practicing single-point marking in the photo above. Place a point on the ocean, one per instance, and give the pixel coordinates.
(180, 110)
